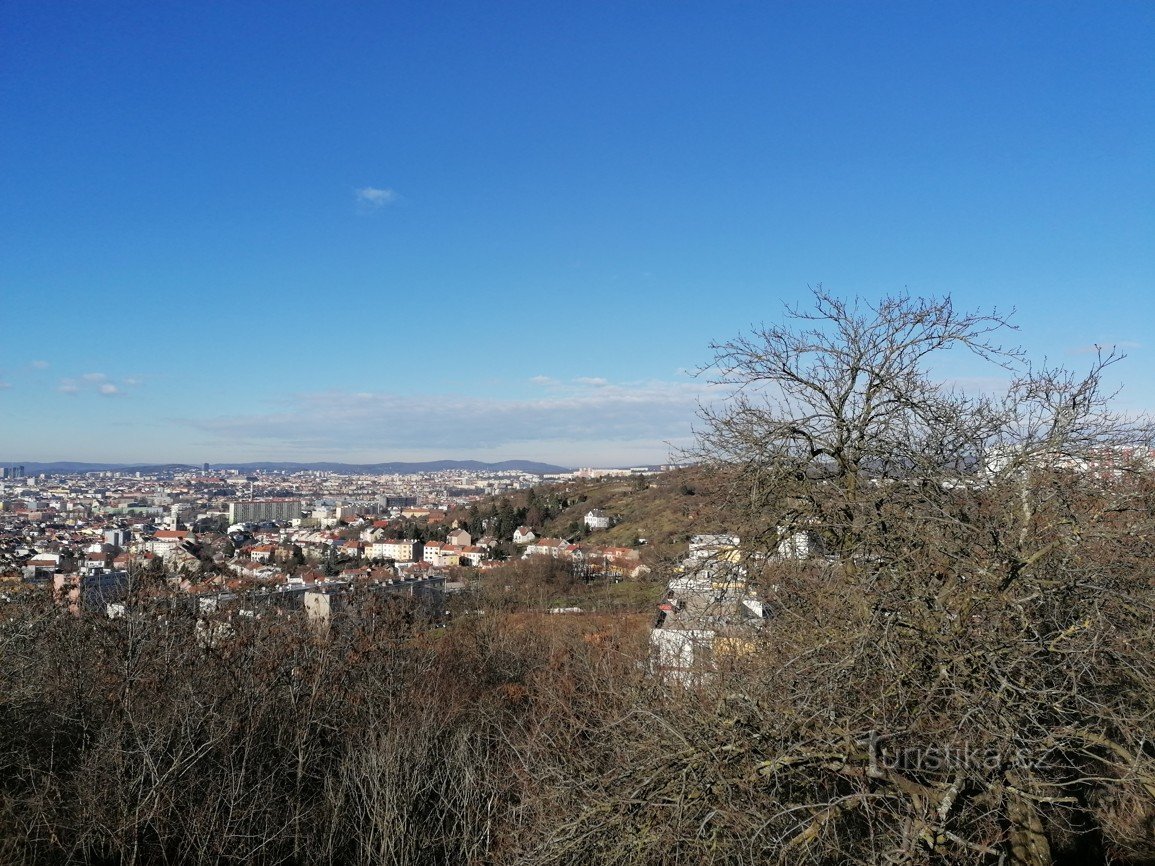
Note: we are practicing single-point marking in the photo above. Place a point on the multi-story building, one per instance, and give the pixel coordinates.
(165, 542)
(260, 510)
(441, 555)
(400, 501)
(399, 550)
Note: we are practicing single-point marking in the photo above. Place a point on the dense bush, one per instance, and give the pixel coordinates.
(382, 741)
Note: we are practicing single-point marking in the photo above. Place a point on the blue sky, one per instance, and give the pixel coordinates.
(408, 230)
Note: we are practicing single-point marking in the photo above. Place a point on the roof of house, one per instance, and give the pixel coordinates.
(551, 542)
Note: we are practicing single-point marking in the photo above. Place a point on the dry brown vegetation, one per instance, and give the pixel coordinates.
(386, 742)
(972, 679)
(541, 583)
(872, 719)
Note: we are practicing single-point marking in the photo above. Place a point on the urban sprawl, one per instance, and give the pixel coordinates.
(297, 540)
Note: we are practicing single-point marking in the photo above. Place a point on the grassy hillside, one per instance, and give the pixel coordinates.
(656, 514)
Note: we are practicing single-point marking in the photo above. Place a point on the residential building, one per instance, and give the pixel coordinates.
(597, 519)
(262, 552)
(442, 555)
(262, 510)
(799, 544)
(472, 555)
(459, 537)
(165, 541)
(714, 547)
(396, 549)
(554, 547)
(709, 618)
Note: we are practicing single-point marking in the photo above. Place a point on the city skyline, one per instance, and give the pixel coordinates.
(404, 232)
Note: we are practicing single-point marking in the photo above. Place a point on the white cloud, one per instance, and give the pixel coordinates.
(4, 386)
(374, 198)
(639, 421)
(96, 383)
(39, 365)
(595, 381)
(542, 380)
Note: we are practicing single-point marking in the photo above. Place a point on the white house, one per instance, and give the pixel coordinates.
(472, 555)
(597, 519)
(262, 552)
(555, 547)
(165, 542)
(714, 547)
(681, 655)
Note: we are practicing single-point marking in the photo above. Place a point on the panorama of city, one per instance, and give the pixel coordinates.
(280, 540)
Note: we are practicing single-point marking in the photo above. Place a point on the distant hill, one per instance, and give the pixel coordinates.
(397, 468)
(71, 467)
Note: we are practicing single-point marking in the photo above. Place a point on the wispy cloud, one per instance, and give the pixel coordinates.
(623, 418)
(371, 198)
(39, 365)
(592, 381)
(96, 383)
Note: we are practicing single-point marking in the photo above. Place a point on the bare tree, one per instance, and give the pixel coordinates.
(970, 677)
(838, 401)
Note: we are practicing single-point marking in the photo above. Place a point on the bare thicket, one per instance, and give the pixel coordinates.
(969, 677)
(381, 741)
